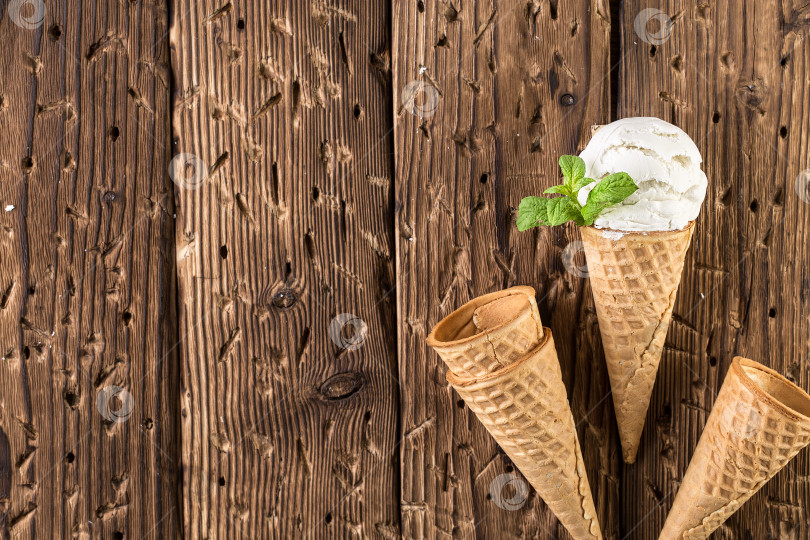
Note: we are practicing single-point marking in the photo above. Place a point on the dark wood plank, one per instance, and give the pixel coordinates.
(732, 75)
(286, 433)
(503, 89)
(86, 273)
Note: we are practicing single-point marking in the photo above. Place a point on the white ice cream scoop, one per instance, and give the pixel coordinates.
(665, 164)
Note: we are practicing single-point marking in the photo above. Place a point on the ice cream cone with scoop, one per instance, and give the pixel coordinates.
(635, 191)
(504, 365)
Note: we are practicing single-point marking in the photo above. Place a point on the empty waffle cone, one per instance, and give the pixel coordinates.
(524, 407)
(488, 332)
(759, 422)
(635, 278)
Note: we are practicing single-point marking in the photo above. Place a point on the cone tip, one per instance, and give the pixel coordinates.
(630, 455)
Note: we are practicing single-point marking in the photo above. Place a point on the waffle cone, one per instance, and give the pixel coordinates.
(635, 278)
(489, 332)
(524, 407)
(759, 422)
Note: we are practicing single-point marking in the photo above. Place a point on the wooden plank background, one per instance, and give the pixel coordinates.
(506, 106)
(87, 319)
(227, 227)
(734, 76)
(284, 248)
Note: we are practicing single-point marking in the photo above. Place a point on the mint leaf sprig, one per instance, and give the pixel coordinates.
(550, 212)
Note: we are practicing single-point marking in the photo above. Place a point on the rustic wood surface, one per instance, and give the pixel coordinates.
(507, 89)
(86, 273)
(345, 173)
(735, 77)
(286, 433)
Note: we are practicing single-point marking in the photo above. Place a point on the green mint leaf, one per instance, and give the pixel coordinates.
(573, 168)
(612, 190)
(581, 183)
(560, 210)
(535, 211)
(531, 213)
(558, 189)
(590, 211)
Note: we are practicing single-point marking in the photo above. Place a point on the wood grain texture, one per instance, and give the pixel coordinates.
(86, 273)
(487, 95)
(336, 188)
(288, 429)
(734, 76)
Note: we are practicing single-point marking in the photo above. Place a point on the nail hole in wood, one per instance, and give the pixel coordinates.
(31, 290)
(509, 468)
(26, 353)
(783, 131)
(240, 24)
(460, 404)
(712, 361)
(316, 193)
(72, 400)
(114, 133)
(148, 424)
(754, 206)
(27, 164)
(328, 518)
(55, 32)
(69, 457)
(552, 9)
(118, 535)
(358, 111)
(667, 410)
(223, 252)
(772, 313)
(484, 178)
(284, 299)
(109, 197)
(716, 117)
(221, 481)
(653, 50)
(420, 6)
(783, 62)
(367, 416)
(126, 317)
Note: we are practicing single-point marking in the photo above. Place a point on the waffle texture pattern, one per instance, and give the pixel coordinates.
(525, 408)
(757, 425)
(635, 278)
